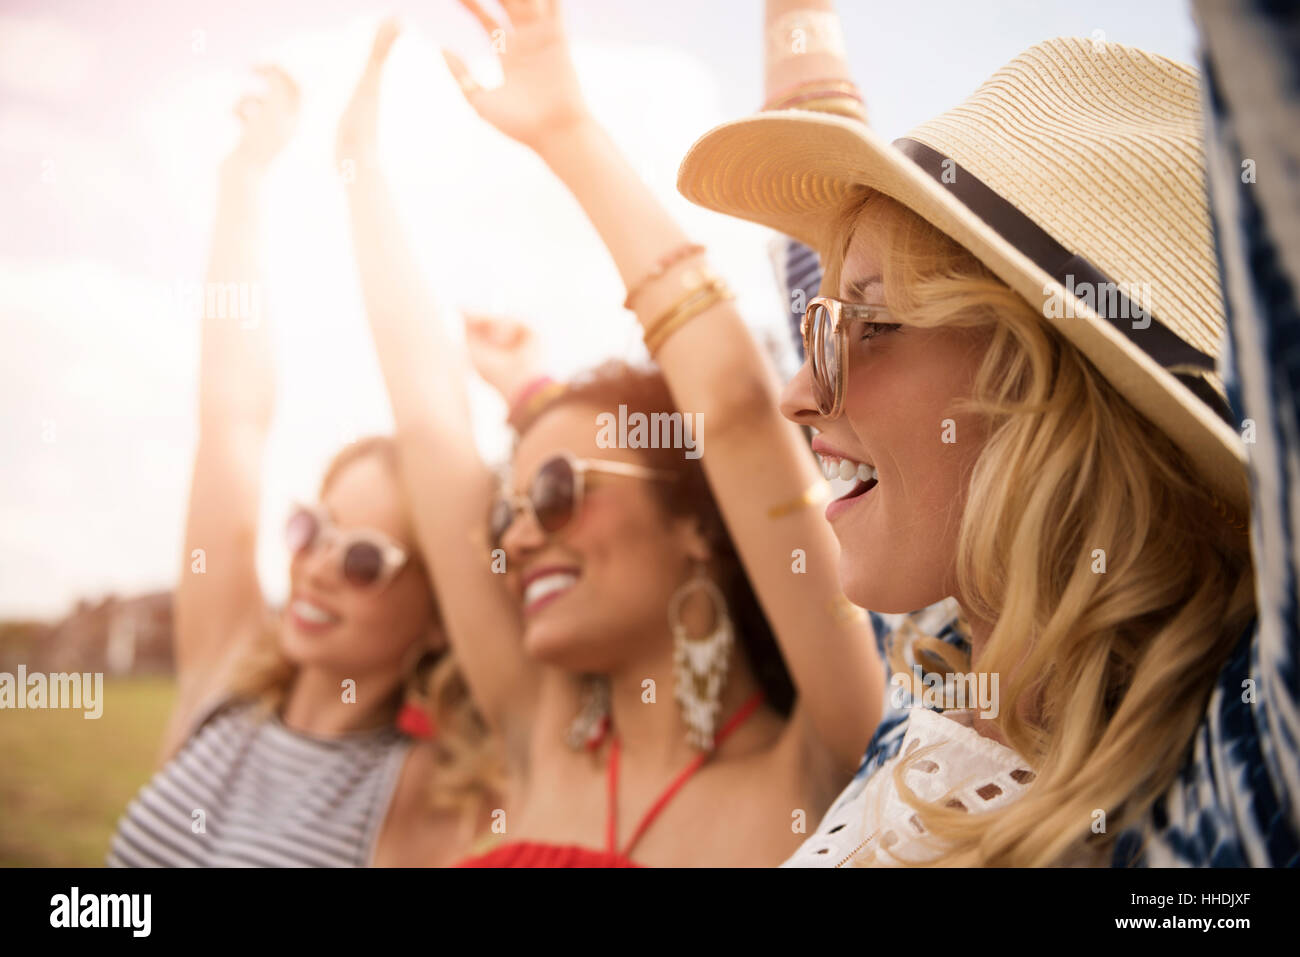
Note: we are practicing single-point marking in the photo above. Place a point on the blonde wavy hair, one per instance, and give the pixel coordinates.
(468, 768)
(1104, 676)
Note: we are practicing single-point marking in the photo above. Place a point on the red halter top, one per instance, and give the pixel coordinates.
(538, 854)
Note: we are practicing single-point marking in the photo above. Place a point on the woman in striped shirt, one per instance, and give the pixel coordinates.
(282, 749)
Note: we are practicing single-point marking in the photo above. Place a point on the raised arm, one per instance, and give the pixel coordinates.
(448, 484)
(804, 60)
(1255, 714)
(758, 464)
(806, 69)
(219, 604)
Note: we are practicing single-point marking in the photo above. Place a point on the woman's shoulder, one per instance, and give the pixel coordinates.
(221, 709)
(419, 833)
(870, 821)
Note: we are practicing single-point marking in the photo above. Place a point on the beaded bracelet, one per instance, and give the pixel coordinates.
(526, 392)
(794, 101)
(531, 399)
(665, 263)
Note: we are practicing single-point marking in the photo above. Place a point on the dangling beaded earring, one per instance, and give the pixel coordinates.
(588, 729)
(700, 664)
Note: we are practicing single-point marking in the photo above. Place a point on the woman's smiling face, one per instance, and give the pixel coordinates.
(329, 622)
(592, 592)
(902, 416)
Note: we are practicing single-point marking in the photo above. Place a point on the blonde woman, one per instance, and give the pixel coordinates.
(283, 749)
(1018, 340)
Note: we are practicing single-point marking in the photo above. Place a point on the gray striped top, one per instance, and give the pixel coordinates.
(246, 791)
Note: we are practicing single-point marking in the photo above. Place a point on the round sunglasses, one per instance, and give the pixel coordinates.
(367, 558)
(555, 493)
(825, 331)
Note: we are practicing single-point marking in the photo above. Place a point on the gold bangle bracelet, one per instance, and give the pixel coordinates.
(693, 280)
(820, 93)
(829, 83)
(712, 296)
(661, 268)
(840, 106)
(704, 282)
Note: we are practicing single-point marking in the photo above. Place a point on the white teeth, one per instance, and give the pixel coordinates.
(846, 469)
(547, 585)
(313, 613)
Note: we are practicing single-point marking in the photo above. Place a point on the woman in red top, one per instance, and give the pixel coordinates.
(612, 635)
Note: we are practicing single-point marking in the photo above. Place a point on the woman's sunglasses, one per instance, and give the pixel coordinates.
(367, 558)
(555, 493)
(825, 331)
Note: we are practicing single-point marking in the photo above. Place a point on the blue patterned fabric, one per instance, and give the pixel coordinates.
(798, 274)
(1235, 800)
(943, 621)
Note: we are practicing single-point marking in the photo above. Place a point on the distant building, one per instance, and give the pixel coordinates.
(118, 636)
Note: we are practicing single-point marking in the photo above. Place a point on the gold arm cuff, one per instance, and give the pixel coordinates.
(697, 302)
(815, 494)
(699, 282)
(838, 105)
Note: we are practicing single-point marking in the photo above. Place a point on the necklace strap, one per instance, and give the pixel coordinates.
(611, 818)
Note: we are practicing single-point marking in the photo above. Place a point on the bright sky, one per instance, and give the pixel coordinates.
(112, 123)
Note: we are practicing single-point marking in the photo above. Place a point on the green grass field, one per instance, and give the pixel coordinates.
(65, 780)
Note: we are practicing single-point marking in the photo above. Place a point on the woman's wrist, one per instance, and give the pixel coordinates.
(526, 401)
(520, 392)
(361, 167)
(238, 175)
(804, 44)
(561, 141)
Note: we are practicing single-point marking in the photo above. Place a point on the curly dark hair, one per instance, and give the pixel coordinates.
(644, 390)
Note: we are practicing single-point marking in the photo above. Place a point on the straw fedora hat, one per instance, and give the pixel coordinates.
(1076, 173)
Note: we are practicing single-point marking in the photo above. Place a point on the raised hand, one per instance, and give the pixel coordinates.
(358, 132)
(268, 120)
(505, 353)
(805, 60)
(540, 95)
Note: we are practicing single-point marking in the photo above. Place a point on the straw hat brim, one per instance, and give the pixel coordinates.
(792, 170)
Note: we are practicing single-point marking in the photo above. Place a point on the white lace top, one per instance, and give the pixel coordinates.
(870, 825)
